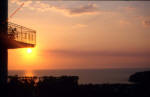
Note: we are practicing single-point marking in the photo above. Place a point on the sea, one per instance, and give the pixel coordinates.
(86, 76)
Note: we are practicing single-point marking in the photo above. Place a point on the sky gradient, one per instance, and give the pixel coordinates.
(83, 35)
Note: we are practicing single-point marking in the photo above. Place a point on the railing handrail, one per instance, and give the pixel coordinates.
(10, 23)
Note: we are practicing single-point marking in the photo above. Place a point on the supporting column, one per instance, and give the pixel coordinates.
(3, 66)
(3, 46)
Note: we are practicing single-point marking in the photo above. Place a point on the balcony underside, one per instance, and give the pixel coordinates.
(13, 44)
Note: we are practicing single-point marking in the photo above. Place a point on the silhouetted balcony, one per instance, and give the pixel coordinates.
(19, 37)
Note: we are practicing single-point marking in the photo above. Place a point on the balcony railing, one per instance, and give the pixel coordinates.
(21, 34)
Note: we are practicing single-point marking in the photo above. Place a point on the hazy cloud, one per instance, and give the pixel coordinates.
(86, 9)
(79, 26)
(124, 22)
(74, 11)
(146, 23)
(66, 10)
(101, 53)
(129, 8)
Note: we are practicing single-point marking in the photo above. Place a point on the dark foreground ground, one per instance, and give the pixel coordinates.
(67, 86)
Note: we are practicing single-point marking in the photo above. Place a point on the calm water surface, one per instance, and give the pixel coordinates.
(95, 76)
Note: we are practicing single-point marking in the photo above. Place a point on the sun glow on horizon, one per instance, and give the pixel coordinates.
(28, 74)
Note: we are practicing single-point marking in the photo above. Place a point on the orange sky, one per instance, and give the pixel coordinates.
(81, 35)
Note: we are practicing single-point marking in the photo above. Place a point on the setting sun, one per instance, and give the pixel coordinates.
(29, 50)
(29, 56)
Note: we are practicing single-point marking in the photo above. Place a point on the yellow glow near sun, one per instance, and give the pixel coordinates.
(29, 55)
(29, 50)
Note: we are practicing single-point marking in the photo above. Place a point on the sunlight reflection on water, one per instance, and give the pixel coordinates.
(28, 74)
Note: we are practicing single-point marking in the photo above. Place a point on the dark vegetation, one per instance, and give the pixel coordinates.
(67, 86)
(140, 78)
